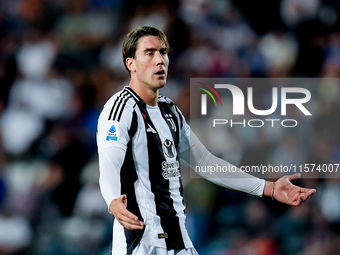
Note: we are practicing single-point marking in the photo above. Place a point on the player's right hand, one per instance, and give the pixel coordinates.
(126, 218)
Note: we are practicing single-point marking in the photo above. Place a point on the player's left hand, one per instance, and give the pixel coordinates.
(288, 193)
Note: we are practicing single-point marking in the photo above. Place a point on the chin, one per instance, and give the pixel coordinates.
(161, 84)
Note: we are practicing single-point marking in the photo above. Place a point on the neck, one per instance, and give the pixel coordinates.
(148, 95)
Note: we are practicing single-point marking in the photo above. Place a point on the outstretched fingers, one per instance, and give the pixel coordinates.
(288, 193)
(306, 193)
(302, 195)
(130, 221)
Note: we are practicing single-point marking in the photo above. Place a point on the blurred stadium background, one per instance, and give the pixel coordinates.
(60, 61)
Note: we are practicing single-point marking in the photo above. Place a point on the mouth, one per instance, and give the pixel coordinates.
(160, 73)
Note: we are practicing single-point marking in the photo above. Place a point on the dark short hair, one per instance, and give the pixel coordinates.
(130, 41)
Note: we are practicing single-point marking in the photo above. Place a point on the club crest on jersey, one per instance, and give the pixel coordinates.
(112, 134)
(169, 148)
(168, 117)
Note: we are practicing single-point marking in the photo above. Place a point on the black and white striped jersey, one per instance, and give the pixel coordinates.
(139, 148)
(142, 144)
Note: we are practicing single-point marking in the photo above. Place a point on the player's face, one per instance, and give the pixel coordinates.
(151, 62)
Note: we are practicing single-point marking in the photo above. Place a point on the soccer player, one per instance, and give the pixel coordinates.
(141, 138)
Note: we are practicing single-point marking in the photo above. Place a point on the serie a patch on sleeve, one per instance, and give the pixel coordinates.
(112, 134)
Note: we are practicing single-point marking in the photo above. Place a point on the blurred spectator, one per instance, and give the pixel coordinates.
(83, 31)
(35, 55)
(293, 12)
(330, 203)
(17, 235)
(279, 49)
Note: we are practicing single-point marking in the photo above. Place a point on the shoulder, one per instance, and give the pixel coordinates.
(119, 107)
(115, 122)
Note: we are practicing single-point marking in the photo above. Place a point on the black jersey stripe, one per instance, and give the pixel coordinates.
(116, 104)
(171, 119)
(160, 186)
(120, 102)
(171, 225)
(180, 117)
(137, 98)
(119, 105)
(120, 108)
(121, 112)
(134, 124)
(128, 177)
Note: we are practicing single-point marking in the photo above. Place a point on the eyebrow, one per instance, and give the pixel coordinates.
(154, 49)
(150, 49)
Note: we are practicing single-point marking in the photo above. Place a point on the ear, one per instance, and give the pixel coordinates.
(130, 63)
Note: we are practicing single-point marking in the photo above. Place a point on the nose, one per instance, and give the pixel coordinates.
(159, 58)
